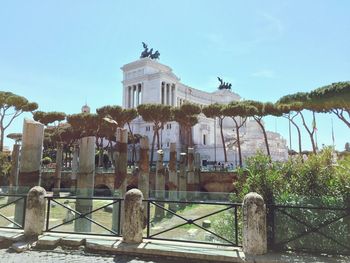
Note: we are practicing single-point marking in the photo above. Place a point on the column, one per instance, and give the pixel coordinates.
(167, 93)
(173, 179)
(120, 181)
(14, 166)
(31, 153)
(160, 185)
(74, 168)
(197, 172)
(182, 177)
(58, 169)
(132, 96)
(29, 170)
(173, 95)
(143, 182)
(162, 88)
(190, 171)
(85, 183)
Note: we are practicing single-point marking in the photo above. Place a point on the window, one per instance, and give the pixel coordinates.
(168, 126)
(204, 139)
(148, 128)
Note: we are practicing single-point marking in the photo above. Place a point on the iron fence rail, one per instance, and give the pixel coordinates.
(80, 215)
(149, 202)
(299, 224)
(22, 210)
(193, 221)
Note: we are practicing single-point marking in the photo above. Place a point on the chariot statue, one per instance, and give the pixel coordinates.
(224, 85)
(149, 54)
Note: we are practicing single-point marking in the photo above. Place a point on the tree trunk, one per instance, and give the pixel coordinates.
(2, 131)
(311, 133)
(299, 134)
(222, 138)
(258, 120)
(238, 143)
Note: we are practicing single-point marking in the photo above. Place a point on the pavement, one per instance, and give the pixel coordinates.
(75, 256)
(59, 247)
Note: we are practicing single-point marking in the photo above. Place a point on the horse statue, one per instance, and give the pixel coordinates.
(224, 85)
(145, 53)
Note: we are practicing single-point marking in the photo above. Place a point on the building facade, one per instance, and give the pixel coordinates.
(148, 81)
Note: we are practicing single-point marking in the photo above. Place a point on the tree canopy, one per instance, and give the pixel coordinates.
(11, 106)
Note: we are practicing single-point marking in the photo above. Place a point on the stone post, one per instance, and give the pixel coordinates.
(121, 169)
(85, 182)
(197, 174)
(13, 179)
(31, 153)
(58, 169)
(190, 171)
(143, 182)
(160, 185)
(75, 167)
(182, 177)
(134, 222)
(173, 179)
(35, 212)
(14, 166)
(30, 164)
(254, 225)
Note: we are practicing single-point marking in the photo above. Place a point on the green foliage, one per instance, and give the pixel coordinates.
(11, 106)
(317, 176)
(49, 117)
(5, 164)
(85, 123)
(159, 114)
(213, 111)
(261, 176)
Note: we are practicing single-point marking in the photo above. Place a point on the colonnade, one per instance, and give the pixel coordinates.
(133, 95)
(168, 94)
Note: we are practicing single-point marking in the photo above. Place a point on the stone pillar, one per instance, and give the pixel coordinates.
(254, 225)
(75, 167)
(173, 179)
(134, 222)
(144, 167)
(197, 171)
(160, 184)
(190, 170)
(58, 169)
(182, 177)
(31, 153)
(14, 167)
(35, 212)
(120, 182)
(30, 164)
(85, 182)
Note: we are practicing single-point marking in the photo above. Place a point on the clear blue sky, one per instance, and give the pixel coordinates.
(62, 53)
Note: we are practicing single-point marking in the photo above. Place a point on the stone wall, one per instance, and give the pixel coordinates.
(209, 181)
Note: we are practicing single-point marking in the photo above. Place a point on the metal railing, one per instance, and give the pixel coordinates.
(17, 213)
(83, 215)
(310, 229)
(55, 224)
(231, 208)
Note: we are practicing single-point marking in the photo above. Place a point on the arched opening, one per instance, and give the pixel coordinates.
(102, 190)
